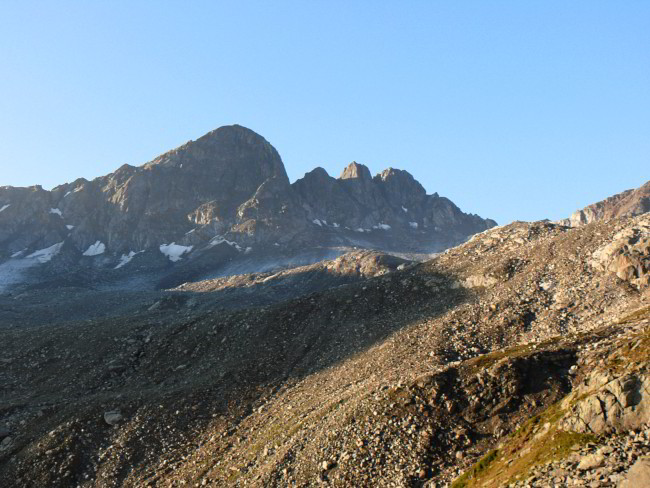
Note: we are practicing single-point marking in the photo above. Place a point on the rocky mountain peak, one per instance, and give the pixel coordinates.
(317, 173)
(228, 148)
(227, 187)
(355, 170)
(400, 182)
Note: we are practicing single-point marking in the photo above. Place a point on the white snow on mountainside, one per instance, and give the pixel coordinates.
(174, 251)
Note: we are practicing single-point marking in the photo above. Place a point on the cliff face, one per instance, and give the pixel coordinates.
(229, 187)
(392, 199)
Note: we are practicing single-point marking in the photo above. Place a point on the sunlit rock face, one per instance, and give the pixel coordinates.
(625, 204)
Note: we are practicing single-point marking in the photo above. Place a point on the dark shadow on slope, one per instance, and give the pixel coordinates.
(175, 357)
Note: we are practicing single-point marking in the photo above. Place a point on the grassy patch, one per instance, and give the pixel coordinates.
(476, 470)
(481, 363)
(536, 442)
(636, 349)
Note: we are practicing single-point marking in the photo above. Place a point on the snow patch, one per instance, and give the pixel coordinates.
(335, 225)
(216, 240)
(406, 210)
(126, 259)
(69, 227)
(414, 225)
(45, 255)
(95, 249)
(248, 250)
(190, 231)
(317, 222)
(382, 226)
(174, 251)
(5, 207)
(56, 211)
(69, 193)
(18, 254)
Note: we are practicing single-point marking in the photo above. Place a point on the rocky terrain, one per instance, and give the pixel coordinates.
(219, 202)
(519, 357)
(626, 204)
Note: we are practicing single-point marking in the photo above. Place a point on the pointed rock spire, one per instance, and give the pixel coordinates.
(356, 171)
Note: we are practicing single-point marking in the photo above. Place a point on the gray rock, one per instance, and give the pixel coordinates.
(606, 402)
(6, 443)
(113, 417)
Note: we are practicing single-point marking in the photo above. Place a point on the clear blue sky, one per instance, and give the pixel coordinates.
(513, 109)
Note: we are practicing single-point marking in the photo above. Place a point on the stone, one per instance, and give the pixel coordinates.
(591, 461)
(113, 417)
(6, 443)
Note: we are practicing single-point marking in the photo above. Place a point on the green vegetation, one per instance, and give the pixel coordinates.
(536, 442)
(476, 470)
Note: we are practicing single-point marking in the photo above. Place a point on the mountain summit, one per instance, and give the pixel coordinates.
(228, 188)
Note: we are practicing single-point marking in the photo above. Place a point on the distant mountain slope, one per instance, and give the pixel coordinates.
(625, 204)
(208, 203)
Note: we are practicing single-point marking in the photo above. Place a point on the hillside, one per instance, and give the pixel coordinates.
(402, 375)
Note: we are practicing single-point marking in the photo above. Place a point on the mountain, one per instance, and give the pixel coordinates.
(518, 358)
(625, 204)
(220, 200)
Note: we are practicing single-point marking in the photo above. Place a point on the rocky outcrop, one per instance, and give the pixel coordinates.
(607, 402)
(628, 254)
(625, 204)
